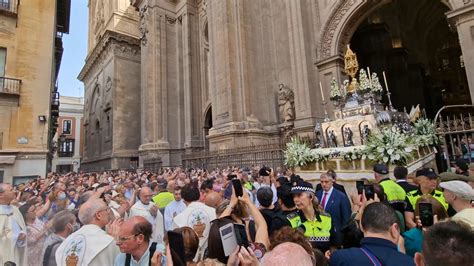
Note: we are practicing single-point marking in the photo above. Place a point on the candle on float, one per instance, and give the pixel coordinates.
(385, 80)
(321, 88)
(369, 76)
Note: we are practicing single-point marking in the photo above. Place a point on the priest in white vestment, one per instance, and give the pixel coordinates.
(147, 209)
(90, 245)
(197, 215)
(173, 209)
(12, 229)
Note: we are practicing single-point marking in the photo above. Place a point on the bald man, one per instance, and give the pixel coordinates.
(213, 199)
(90, 245)
(12, 229)
(147, 209)
(287, 253)
(134, 241)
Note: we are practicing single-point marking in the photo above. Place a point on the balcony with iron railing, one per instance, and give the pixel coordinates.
(10, 85)
(9, 7)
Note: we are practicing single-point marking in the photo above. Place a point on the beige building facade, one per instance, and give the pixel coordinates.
(30, 56)
(69, 136)
(165, 78)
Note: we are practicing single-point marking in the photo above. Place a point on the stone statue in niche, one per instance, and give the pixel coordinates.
(348, 134)
(332, 139)
(286, 103)
(364, 133)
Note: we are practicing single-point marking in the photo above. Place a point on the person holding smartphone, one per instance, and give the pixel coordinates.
(428, 210)
(428, 181)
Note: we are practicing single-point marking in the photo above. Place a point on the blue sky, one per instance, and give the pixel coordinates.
(75, 50)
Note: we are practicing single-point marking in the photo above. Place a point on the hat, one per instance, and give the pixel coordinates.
(381, 168)
(450, 176)
(302, 187)
(428, 172)
(459, 188)
(462, 164)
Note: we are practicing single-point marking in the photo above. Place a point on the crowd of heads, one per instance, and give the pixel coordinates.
(65, 203)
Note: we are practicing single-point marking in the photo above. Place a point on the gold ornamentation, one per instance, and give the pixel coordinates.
(351, 66)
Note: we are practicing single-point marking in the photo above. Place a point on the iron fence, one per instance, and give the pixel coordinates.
(454, 125)
(270, 155)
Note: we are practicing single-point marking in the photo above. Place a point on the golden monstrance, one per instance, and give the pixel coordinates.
(351, 66)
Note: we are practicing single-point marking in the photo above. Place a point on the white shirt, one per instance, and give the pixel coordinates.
(328, 196)
(274, 190)
(466, 215)
(198, 216)
(90, 245)
(172, 209)
(16, 229)
(140, 209)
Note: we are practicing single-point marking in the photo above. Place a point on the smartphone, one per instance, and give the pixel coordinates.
(228, 238)
(359, 186)
(176, 243)
(241, 235)
(426, 213)
(369, 191)
(237, 187)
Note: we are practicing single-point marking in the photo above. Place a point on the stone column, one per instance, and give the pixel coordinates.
(463, 18)
(233, 121)
(301, 65)
(191, 78)
(154, 148)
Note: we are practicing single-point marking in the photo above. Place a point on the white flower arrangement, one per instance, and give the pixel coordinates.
(297, 153)
(425, 133)
(364, 82)
(387, 145)
(390, 146)
(376, 86)
(335, 93)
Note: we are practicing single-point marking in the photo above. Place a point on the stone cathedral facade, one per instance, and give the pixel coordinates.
(168, 77)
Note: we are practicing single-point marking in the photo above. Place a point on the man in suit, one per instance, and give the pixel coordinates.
(400, 173)
(339, 187)
(334, 202)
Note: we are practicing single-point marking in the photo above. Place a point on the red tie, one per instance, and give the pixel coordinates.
(323, 202)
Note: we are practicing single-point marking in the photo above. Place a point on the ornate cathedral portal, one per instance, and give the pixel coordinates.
(169, 79)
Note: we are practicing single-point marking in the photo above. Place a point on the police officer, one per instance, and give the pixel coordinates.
(428, 181)
(316, 225)
(394, 193)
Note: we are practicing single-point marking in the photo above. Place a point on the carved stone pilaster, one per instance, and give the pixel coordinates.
(143, 24)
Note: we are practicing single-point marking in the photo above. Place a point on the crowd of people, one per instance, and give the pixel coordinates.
(239, 216)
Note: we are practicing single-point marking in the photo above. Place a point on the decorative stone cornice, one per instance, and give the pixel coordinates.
(329, 29)
(125, 45)
(336, 26)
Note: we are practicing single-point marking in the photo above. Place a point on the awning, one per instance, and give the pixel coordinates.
(7, 159)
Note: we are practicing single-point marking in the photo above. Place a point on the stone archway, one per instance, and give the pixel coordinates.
(346, 17)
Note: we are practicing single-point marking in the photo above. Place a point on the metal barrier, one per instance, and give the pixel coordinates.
(270, 155)
(454, 124)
